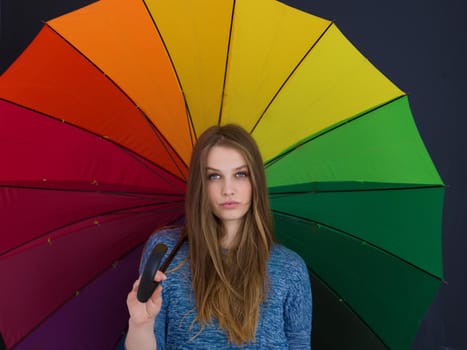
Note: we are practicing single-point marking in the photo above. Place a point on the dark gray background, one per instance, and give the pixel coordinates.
(420, 46)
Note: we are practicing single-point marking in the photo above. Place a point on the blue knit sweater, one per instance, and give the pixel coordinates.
(285, 315)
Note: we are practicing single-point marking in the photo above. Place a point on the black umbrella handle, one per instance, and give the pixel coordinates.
(147, 285)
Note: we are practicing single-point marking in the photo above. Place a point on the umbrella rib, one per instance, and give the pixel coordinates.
(187, 107)
(87, 218)
(348, 234)
(153, 127)
(123, 148)
(164, 179)
(165, 145)
(354, 312)
(409, 188)
(289, 76)
(138, 195)
(326, 131)
(221, 107)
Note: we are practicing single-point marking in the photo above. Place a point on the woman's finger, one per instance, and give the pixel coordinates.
(160, 276)
(156, 297)
(136, 284)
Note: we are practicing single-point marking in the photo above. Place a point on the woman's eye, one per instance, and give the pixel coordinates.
(242, 174)
(213, 176)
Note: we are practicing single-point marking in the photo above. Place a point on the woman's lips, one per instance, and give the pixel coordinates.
(230, 205)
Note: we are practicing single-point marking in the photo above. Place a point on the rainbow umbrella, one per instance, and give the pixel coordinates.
(98, 117)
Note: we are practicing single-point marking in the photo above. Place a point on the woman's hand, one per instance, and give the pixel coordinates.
(142, 313)
(140, 334)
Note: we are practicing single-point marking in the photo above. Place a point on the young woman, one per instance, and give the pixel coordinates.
(230, 286)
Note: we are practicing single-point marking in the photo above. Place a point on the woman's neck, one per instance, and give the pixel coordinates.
(231, 230)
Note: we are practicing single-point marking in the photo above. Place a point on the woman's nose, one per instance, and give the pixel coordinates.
(227, 188)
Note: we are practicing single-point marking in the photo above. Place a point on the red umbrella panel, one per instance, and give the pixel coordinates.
(71, 205)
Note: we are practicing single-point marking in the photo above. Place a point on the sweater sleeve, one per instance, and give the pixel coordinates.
(298, 307)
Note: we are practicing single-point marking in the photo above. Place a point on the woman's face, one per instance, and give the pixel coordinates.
(228, 185)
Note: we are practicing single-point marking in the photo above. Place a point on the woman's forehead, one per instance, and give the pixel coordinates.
(224, 157)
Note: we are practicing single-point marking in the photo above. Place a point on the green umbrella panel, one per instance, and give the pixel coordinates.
(361, 202)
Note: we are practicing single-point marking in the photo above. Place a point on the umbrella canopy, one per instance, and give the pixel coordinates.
(98, 118)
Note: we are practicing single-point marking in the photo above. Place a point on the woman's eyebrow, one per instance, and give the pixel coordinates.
(236, 169)
(242, 167)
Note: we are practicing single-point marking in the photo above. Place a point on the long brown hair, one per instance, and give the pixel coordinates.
(228, 286)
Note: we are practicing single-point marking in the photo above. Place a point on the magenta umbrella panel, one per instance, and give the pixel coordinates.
(60, 238)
